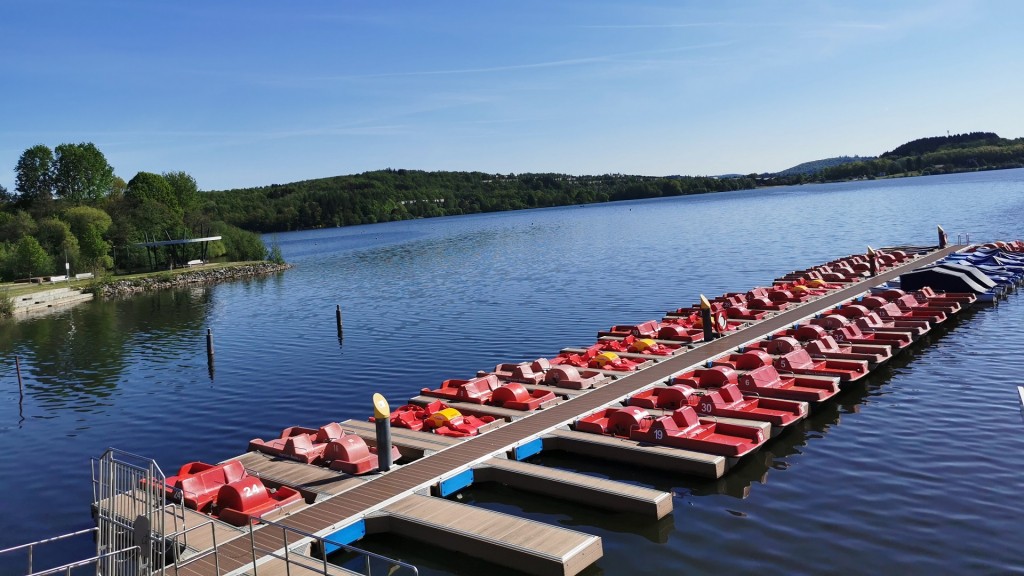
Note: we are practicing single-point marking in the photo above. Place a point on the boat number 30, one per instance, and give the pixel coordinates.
(251, 490)
(706, 407)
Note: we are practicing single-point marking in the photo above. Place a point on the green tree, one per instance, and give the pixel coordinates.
(56, 238)
(81, 173)
(14, 226)
(95, 249)
(80, 218)
(154, 187)
(30, 259)
(90, 225)
(33, 176)
(6, 198)
(186, 191)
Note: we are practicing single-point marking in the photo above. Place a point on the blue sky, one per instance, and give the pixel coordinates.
(254, 92)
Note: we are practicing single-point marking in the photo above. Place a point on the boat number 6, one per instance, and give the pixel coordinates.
(658, 434)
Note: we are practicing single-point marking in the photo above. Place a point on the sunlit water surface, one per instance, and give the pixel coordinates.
(918, 471)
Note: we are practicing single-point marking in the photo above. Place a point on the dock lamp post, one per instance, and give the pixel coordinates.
(382, 420)
(705, 319)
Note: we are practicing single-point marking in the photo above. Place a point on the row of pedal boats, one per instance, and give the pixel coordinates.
(776, 380)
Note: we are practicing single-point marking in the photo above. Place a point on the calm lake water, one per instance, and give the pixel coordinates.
(917, 471)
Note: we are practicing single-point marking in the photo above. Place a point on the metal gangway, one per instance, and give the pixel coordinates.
(141, 532)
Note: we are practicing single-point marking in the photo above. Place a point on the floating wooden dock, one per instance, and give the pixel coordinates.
(344, 508)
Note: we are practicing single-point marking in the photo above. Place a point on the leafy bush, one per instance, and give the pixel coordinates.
(240, 244)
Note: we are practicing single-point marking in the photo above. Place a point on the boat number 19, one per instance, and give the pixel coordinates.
(659, 434)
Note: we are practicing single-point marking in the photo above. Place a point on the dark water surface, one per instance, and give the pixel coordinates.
(917, 471)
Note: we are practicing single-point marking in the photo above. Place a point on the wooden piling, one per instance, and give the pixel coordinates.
(209, 342)
(341, 329)
(17, 366)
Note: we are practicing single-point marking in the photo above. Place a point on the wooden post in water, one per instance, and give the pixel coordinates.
(17, 366)
(382, 420)
(872, 261)
(337, 314)
(942, 237)
(209, 352)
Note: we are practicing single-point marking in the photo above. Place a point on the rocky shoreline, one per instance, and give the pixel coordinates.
(117, 288)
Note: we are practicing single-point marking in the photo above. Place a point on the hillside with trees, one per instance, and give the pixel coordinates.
(815, 166)
(921, 157)
(69, 206)
(387, 195)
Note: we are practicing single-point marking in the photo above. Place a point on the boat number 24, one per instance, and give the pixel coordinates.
(251, 490)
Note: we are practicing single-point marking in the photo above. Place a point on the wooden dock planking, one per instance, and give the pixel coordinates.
(330, 515)
(300, 565)
(530, 546)
(195, 531)
(575, 487)
(666, 458)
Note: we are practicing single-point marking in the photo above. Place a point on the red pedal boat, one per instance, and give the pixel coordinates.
(541, 371)
(820, 344)
(758, 376)
(726, 401)
(680, 429)
(489, 390)
(439, 418)
(599, 360)
(327, 446)
(846, 331)
(227, 492)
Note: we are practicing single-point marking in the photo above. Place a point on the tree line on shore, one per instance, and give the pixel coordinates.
(69, 207)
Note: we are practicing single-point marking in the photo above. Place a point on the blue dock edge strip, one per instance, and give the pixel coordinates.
(455, 483)
(346, 535)
(524, 451)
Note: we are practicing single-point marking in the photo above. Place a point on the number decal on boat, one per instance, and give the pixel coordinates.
(706, 407)
(659, 434)
(251, 490)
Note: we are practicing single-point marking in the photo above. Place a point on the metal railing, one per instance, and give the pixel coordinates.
(102, 560)
(130, 508)
(390, 565)
(31, 546)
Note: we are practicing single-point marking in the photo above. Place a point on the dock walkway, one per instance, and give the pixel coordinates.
(394, 490)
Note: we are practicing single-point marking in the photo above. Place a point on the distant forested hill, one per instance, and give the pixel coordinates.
(386, 195)
(819, 165)
(936, 143)
(935, 155)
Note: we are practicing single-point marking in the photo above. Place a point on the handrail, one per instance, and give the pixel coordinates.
(323, 541)
(203, 553)
(31, 545)
(67, 568)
